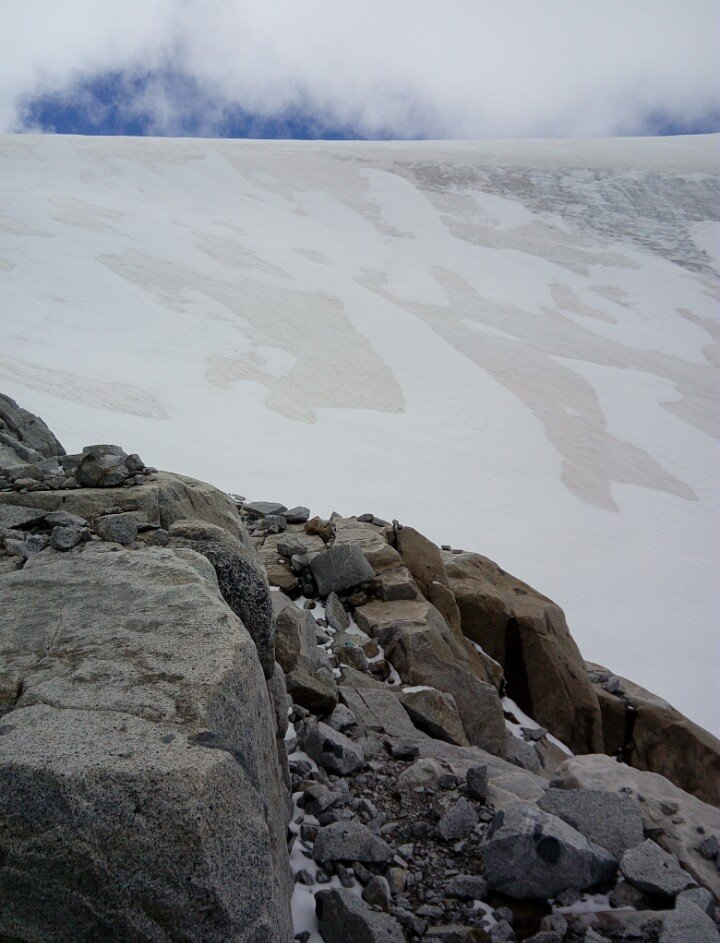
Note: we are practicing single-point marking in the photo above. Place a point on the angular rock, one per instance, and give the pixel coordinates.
(25, 433)
(458, 821)
(468, 887)
(340, 568)
(65, 538)
(477, 782)
(317, 692)
(377, 892)
(63, 519)
(296, 515)
(335, 613)
(263, 508)
(369, 539)
(688, 924)
(333, 750)
(610, 820)
(102, 466)
(678, 834)
(435, 713)
(13, 515)
(341, 718)
(344, 918)
(350, 841)
(376, 707)
(118, 528)
(422, 648)
(527, 633)
(654, 871)
(700, 897)
(522, 753)
(529, 853)
(147, 735)
(453, 933)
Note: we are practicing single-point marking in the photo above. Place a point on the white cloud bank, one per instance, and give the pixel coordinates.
(458, 68)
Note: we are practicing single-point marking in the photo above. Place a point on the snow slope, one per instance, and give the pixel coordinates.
(509, 345)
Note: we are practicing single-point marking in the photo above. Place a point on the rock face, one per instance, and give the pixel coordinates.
(531, 854)
(527, 633)
(140, 791)
(650, 734)
(23, 436)
(613, 821)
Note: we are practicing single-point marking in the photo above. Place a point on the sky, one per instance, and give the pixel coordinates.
(360, 68)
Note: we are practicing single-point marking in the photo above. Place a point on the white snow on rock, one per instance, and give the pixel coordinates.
(507, 345)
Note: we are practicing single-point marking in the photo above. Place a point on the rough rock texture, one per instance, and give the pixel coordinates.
(688, 924)
(340, 568)
(654, 871)
(343, 918)
(240, 578)
(654, 736)
(307, 670)
(422, 648)
(23, 436)
(610, 820)
(672, 816)
(529, 853)
(527, 633)
(435, 713)
(350, 841)
(333, 750)
(140, 792)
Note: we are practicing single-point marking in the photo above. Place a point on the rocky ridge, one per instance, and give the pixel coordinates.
(209, 689)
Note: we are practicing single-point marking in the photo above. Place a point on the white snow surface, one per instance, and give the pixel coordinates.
(508, 345)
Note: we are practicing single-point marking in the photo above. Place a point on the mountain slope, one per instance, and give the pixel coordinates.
(511, 344)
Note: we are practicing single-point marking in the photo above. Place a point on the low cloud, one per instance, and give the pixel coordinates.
(404, 68)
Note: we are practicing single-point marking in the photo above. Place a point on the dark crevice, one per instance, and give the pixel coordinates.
(518, 685)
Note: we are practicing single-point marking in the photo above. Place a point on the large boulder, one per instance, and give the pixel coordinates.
(423, 559)
(370, 539)
(654, 872)
(652, 735)
(527, 633)
(435, 713)
(339, 569)
(529, 853)
(23, 436)
(424, 651)
(241, 580)
(140, 790)
(612, 820)
(677, 820)
(308, 672)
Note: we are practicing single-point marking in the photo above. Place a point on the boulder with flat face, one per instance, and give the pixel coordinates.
(340, 568)
(435, 713)
(527, 633)
(529, 853)
(424, 651)
(611, 820)
(344, 918)
(652, 735)
(140, 790)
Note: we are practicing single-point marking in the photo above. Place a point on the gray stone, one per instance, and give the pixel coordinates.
(65, 538)
(458, 821)
(273, 522)
(654, 871)
(34, 544)
(140, 793)
(350, 841)
(423, 772)
(545, 936)
(333, 750)
(435, 713)
(611, 820)
(375, 705)
(477, 782)
(339, 569)
(263, 508)
(344, 918)
(454, 933)
(688, 924)
(315, 691)
(240, 578)
(118, 528)
(529, 853)
(337, 617)
(63, 519)
(700, 896)
(342, 718)
(296, 515)
(24, 431)
(522, 754)
(13, 515)
(377, 892)
(101, 466)
(468, 887)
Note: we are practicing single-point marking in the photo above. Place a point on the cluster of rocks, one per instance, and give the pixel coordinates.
(403, 740)
(32, 459)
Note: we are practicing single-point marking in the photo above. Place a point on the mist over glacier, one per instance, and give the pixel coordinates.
(509, 345)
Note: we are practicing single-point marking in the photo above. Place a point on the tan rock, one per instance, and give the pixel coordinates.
(370, 539)
(527, 633)
(435, 713)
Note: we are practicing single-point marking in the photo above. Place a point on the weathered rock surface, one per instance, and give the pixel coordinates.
(435, 713)
(422, 648)
(240, 579)
(611, 820)
(340, 568)
(677, 820)
(654, 736)
(24, 437)
(140, 791)
(527, 633)
(350, 841)
(529, 853)
(344, 918)
(688, 924)
(654, 871)
(308, 673)
(333, 750)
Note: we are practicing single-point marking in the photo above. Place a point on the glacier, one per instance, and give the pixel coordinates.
(511, 346)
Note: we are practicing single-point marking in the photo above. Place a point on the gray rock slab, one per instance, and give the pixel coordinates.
(339, 569)
(610, 820)
(14, 515)
(333, 750)
(688, 924)
(344, 918)
(350, 841)
(653, 871)
(529, 853)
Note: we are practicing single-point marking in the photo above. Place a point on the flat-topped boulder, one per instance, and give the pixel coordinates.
(140, 790)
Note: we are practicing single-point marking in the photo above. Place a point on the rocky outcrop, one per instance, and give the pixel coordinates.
(24, 437)
(648, 733)
(527, 633)
(140, 790)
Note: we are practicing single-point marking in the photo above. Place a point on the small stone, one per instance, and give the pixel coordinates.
(468, 887)
(65, 538)
(304, 877)
(688, 924)
(477, 782)
(335, 613)
(263, 508)
(342, 718)
(709, 847)
(458, 821)
(340, 568)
